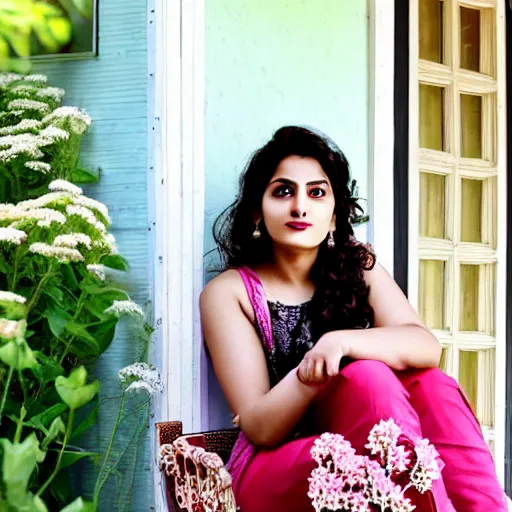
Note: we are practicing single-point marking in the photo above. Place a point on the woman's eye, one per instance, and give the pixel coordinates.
(317, 192)
(283, 191)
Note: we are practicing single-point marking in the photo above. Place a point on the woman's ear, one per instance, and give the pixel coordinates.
(333, 223)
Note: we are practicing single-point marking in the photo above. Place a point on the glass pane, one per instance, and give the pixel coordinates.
(431, 30)
(432, 199)
(471, 125)
(468, 376)
(471, 221)
(487, 366)
(431, 293)
(469, 291)
(431, 117)
(444, 360)
(476, 377)
(470, 39)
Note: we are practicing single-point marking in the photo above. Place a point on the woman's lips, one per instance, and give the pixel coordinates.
(298, 226)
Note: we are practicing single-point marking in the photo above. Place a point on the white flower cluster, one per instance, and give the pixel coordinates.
(55, 93)
(141, 376)
(72, 240)
(12, 329)
(40, 79)
(109, 241)
(12, 235)
(24, 143)
(24, 104)
(87, 215)
(11, 146)
(11, 297)
(51, 134)
(124, 307)
(44, 216)
(25, 125)
(78, 119)
(42, 167)
(63, 254)
(98, 270)
(64, 186)
(92, 204)
(7, 79)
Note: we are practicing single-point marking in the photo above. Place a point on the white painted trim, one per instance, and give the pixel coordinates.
(177, 212)
(381, 124)
(501, 278)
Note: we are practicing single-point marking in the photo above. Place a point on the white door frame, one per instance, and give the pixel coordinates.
(381, 141)
(176, 80)
(176, 210)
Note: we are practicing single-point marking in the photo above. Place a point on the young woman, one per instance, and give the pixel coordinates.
(343, 348)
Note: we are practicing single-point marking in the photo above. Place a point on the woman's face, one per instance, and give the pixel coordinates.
(298, 204)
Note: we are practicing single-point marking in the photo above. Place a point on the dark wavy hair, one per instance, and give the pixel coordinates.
(341, 297)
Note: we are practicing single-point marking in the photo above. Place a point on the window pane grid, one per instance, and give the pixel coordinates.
(457, 193)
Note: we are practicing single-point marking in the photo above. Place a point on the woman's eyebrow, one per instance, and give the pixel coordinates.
(287, 181)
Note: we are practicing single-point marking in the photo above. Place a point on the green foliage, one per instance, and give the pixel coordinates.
(60, 302)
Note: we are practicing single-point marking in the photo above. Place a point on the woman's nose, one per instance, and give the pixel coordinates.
(299, 207)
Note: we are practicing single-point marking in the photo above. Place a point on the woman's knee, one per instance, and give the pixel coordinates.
(430, 383)
(369, 373)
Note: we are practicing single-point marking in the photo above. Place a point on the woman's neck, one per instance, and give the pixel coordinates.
(291, 269)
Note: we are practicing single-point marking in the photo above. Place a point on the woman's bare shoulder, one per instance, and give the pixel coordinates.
(227, 288)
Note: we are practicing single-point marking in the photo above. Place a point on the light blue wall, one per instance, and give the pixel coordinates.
(113, 89)
(270, 63)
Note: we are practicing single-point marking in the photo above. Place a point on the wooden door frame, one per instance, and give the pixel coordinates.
(401, 189)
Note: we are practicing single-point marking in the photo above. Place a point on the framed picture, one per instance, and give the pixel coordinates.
(81, 18)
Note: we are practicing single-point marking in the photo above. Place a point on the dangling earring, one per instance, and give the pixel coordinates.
(257, 233)
(330, 240)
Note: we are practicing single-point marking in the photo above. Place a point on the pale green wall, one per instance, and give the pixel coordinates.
(276, 62)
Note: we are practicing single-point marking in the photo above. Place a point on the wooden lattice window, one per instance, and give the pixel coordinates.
(456, 169)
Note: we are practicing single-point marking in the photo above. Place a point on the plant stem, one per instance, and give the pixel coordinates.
(19, 426)
(99, 481)
(6, 391)
(15, 271)
(61, 453)
(33, 300)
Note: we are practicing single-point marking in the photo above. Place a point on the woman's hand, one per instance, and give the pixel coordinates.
(323, 361)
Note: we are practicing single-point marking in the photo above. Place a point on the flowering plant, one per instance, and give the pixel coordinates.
(377, 481)
(60, 302)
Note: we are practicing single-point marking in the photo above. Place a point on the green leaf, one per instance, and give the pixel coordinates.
(42, 420)
(70, 457)
(88, 345)
(19, 461)
(55, 293)
(104, 333)
(74, 391)
(57, 320)
(12, 310)
(57, 427)
(115, 261)
(90, 420)
(80, 175)
(79, 505)
(47, 370)
(5, 268)
(68, 277)
(17, 354)
(61, 488)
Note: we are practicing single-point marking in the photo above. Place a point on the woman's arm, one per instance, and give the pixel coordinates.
(266, 415)
(398, 337)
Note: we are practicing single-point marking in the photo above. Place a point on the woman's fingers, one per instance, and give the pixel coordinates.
(318, 371)
(332, 366)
